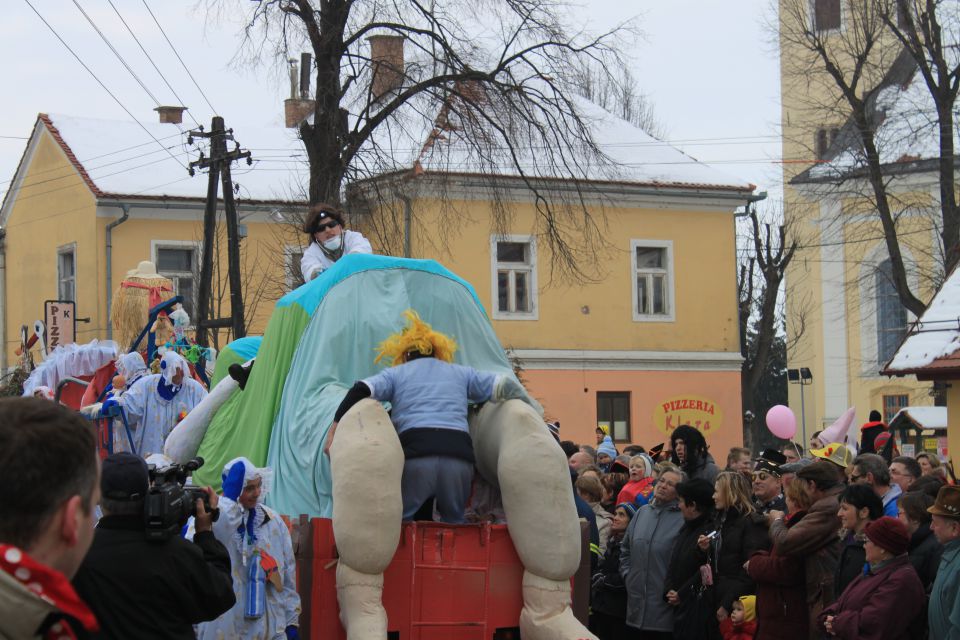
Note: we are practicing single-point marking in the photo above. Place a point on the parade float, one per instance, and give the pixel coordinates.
(358, 563)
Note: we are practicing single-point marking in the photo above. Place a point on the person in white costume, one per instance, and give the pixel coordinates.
(130, 370)
(329, 241)
(261, 558)
(157, 402)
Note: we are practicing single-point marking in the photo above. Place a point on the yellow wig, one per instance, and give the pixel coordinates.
(416, 337)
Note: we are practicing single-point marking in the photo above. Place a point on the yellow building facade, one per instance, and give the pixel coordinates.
(843, 320)
(650, 345)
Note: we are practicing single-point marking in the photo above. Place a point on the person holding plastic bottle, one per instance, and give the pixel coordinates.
(261, 556)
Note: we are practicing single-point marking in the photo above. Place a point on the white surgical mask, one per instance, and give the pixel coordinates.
(334, 243)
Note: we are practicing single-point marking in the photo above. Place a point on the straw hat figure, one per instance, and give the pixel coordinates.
(141, 290)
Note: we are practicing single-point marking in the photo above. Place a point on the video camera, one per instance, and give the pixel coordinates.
(169, 503)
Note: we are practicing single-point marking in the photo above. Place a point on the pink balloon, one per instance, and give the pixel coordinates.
(781, 422)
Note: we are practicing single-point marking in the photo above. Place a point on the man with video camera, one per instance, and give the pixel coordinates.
(157, 585)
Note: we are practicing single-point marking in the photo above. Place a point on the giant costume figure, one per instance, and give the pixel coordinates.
(309, 358)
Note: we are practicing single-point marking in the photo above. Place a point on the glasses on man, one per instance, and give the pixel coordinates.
(328, 225)
(762, 475)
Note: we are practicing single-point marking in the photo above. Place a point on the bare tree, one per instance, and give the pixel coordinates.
(486, 88)
(620, 95)
(850, 72)
(762, 314)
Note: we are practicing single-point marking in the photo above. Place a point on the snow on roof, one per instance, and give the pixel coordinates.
(936, 334)
(410, 140)
(629, 155)
(908, 130)
(926, 417)
(149, 168)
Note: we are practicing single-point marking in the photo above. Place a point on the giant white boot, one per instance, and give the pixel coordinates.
(367, 514)
(515, 451)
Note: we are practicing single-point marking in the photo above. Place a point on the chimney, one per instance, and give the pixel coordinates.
(386, 56)
(298, 106)
(171, 115)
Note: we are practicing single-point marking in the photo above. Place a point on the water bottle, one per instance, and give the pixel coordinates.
(255, 598)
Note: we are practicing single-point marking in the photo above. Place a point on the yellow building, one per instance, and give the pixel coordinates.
(651, 345)
(844, 317)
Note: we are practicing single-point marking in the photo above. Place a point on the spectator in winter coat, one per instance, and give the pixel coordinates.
(814, 538)
(872, 470)
(608, 595)
(694, 612)
(767, 486)
(943, 613)
(590, 489)
(742, 623)
(644, 557)
(858, 507)
(606, 453)
(741, 531)
(781, 591)
(739, 460)
(691, 455)
(870, 430)
(904, 471)
(929, 463)
(924, 551)
(886, 601)
(639, 487)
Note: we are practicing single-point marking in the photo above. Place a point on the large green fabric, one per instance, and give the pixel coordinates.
(236, 352)
(242, 425)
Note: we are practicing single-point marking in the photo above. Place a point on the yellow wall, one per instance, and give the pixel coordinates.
(704, 271)
(54, 208)
(809, 99)
(953, 420)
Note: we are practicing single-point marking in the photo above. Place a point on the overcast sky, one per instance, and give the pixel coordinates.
(707, 66)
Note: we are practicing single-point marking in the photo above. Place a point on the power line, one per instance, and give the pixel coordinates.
(174, 49)
(116, 53)
(15, 137)
(110, 93)
(97, 157)
(156, 68)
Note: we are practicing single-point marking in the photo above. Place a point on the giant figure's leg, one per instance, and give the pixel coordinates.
(367, 510)
(515, 451)
(184, 441)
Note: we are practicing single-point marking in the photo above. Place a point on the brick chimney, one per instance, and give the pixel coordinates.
(298, 106)
(171, 115)
(386, 56)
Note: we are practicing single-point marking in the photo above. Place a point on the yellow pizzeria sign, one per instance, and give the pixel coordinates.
(695, 411)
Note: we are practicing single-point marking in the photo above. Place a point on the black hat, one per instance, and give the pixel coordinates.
(124, 476)
(774, 456)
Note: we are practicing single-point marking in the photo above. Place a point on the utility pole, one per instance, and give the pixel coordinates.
(218, 165)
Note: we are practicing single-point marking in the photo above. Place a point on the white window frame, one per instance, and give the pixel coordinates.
(534, 313)
(197, 247)
(812, 6)
(62, 250)
(289, 251)
(670, 293)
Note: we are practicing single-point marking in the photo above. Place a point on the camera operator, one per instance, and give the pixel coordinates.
(142, 588)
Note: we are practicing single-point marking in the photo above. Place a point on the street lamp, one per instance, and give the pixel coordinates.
(803, 377)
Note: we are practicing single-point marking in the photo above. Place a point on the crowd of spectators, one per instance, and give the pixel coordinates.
(785, 544)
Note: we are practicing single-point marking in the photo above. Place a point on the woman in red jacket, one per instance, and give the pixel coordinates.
(781, 583)
(886, 601)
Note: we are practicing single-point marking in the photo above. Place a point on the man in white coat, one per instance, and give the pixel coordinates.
(261, 559)
(329, 241)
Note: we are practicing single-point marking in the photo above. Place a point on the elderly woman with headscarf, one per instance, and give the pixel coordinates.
(261, 560)
(886, 601)
(156, 403)
(690, 453)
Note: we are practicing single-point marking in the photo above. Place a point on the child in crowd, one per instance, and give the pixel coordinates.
(742, 623)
